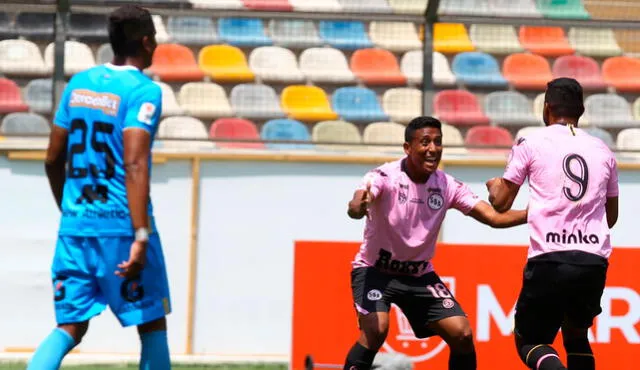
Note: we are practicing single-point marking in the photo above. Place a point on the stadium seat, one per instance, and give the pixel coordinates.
(29, 124)
(21, 57)
(562, 9)
(225, 63)
(602, 135)
(38, 94)
(538, 106)
(596, 42)
(545, 41)
(175, 62)
(255, 102)
(451, 38)
(366, 6)
(357, 104)
(294, 33)
(636, 109)
(411, 66)
(243, 32)
(104, 54)
(385, 136)
(628, 41)
(609, 110)
(409, 6)
(89, 27)
(509, 108)
(477, 69)
(489, 136)
(402, 104)
(77, 57)
(395, 36)
(192, 30)
(272, 5)
(285, 130)
(10, 97)
(458, 108)
(325, 65)
(273, 63)
(170, 106)
(35, 26)
(6, 27)
(584, 69)
(339, 132)
(191, 134)
(162, 36)
(495, 38)
(316, 6)
(451, 138)
(204, 99)
(217, 4)
(464, 7)
(377, 67)
(349, 35)
(526, 131)
(628, 139)
(514, 8)
(527, 71)
(307, 103)
(622, 73)
(235, 129)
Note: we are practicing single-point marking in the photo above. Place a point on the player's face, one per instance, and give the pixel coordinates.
(425, 149)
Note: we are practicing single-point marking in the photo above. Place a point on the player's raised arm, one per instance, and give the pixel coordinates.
(368, 191)
(56, 159)
(485, 213)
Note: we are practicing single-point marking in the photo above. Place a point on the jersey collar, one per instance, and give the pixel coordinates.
(120, 68)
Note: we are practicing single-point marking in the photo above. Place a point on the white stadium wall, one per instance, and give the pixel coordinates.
(249, 215)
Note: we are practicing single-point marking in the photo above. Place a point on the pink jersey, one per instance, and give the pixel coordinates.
(404, 219)
(570, 179)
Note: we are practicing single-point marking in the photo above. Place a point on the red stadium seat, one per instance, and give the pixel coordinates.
(584, 69)
(11, 98)
(377, 67)
(274, 5)
(490, 136)
(235, 128)
(459, 108)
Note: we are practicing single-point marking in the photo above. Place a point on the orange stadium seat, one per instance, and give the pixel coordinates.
(11, 98)
(459, 108)
(225, 63)
(307, 103)
(175, 62)
(527, 71)
(274, 5)
(377, 67)
(235, 128)
(547, 41)
(623, 73)
(584, 69)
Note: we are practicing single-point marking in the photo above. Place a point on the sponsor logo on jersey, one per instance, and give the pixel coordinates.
(579, 238)
(105, 102)
(146, 112)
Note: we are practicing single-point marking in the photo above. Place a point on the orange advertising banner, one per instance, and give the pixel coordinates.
(485, 280)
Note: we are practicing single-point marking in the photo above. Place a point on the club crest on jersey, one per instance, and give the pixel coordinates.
(402, 196)
(435, 201)
(146, 112)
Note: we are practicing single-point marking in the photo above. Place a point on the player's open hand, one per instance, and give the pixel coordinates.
(137, 258)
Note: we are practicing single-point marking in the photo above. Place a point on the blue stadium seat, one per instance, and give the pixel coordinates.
(477, 69)
(285, 130)
(345, 34)
(192, 30)
(243, 32)
(358, 104)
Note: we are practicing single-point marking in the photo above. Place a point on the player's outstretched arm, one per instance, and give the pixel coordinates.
(55, 162)
(612, 211)
(502, 193)
(359, 205)
(485, 213)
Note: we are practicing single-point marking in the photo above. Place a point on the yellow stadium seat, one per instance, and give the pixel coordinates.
(451, 38)
(225, 63)
(307, 103)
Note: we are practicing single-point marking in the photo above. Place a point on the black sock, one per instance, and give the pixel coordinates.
(541, 357)
(462, 361)
(359, 358)
(579, 354)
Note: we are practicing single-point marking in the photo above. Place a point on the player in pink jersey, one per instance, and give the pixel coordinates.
(573, 203)
(405, 203)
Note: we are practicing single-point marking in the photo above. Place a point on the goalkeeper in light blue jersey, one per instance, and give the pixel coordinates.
(98, 164)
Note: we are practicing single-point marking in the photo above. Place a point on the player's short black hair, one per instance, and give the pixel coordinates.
(565, 98)
(128, 25)
(420, 123)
